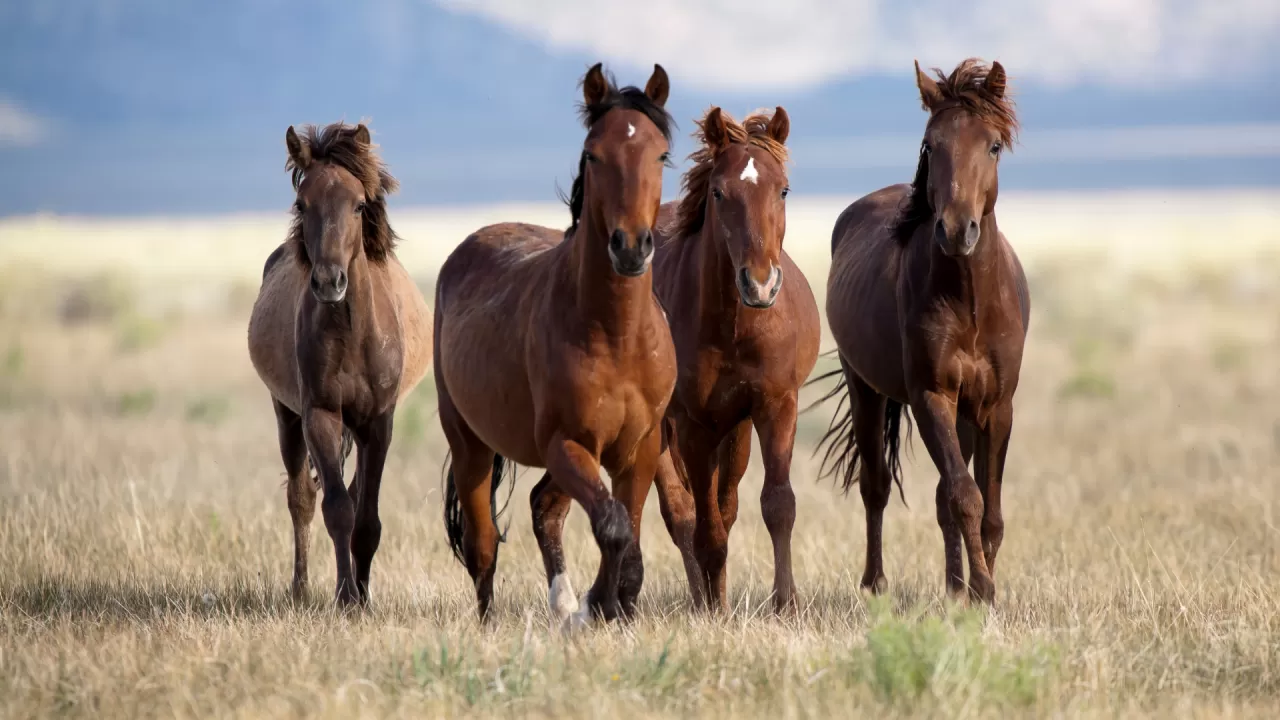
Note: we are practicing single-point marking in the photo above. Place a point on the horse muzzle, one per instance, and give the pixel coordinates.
(328, 283)
(759, 294)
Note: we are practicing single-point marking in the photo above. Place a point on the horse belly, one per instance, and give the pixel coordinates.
(272, 348)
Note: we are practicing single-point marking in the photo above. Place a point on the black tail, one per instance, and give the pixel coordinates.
(454, 523)
(840, 458)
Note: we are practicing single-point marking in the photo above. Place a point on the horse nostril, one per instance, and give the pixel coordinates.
(340, 282)
(618, 241)
(646, 241)
(972, 232)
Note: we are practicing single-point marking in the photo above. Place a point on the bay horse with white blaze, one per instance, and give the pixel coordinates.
(339, 334)
(745, 344)
(929, 307)
(551, 351)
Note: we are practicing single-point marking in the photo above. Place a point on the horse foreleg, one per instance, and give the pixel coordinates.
(373, 443)
(776, 425)
(323, 431)
(936, 414)
(993, 446)
(951, 549)
(631, 488)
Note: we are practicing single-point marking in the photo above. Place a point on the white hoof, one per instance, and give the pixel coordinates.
(563, 602)
(580, 620)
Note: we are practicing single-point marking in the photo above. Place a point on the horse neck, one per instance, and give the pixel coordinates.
(718, 297)
(604, 298)
(355, 316)
(973, 278)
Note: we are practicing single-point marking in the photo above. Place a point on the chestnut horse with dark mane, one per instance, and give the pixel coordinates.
(929, 308)
(745, 344)
(551, 351)
(339, 334)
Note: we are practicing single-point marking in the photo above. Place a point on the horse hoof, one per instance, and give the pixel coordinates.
(563, 602)
(876, 586)
(982, 590)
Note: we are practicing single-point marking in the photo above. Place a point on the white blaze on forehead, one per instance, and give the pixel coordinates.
(631, 130)
(749, 173)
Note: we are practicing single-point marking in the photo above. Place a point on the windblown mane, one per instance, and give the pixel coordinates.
(337, 144)
(696, 183)
(964, 89)
(628, 98)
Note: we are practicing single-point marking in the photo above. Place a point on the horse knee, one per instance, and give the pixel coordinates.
(778, 506)
(965, 500)
(611, 526)
(339, 514)
(993, 530)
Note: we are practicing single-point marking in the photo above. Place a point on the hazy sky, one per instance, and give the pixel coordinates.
(128, 106)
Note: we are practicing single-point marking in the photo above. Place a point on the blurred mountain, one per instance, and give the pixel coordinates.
(164, 106)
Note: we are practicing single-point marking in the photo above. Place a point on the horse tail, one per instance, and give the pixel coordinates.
(842, 455)
(454, 522)
(894, 412)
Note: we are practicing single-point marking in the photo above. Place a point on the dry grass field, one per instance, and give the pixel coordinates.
(145, 546)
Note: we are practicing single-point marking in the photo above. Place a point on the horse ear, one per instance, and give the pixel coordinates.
(714, 131)
(362, 135)
(930, 95)
(780, 125)
(659, 86)
(594, 85)
(299, 151)
(996, 80)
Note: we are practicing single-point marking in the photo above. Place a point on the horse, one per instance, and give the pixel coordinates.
(929, 307)
(551, 351)
(745, 344)
(339, 334)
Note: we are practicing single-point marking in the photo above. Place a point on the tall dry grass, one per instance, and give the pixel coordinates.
(145, 544)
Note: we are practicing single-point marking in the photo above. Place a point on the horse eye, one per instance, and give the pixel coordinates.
(359, 207)
(665, 158)
(785, 192)
(715, 193)
(586, 154)
(926, 148)
(995, 149)
(299, 205)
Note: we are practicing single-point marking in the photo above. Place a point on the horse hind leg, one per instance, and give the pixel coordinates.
(874, 479)
(469, 522)
(300, 491)
(675, 502)
(549, 506)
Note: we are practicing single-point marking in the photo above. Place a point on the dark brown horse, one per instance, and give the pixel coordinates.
(551, 351)
(929, 308)
(339, 333)
(745, 344)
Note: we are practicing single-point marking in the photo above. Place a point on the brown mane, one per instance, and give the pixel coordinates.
(337, 144)
(965, 88)
(696, 183)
